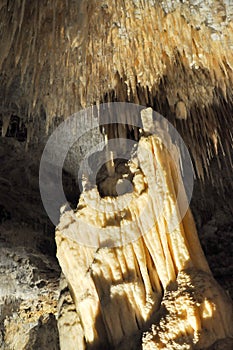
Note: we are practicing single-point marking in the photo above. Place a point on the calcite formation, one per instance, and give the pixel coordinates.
(57, 57)
(134, 264)
(176, 56)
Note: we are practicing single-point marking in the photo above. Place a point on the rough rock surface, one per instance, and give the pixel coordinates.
(57, 57)
(29, 283)
(192, 301)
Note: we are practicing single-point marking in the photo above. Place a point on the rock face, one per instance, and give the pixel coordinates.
(155, 281)
(29, 283)
(194, 312)
(57, 57)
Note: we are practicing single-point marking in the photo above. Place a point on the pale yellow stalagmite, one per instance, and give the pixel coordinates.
(149, 275)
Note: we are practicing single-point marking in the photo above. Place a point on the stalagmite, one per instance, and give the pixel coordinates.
(135, 266)
(137, 275)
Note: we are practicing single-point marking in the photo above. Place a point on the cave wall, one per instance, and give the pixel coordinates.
(59, 57)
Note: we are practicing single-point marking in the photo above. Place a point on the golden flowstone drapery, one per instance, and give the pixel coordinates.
(156, 291)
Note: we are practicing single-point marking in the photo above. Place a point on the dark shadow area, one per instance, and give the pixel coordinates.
(119, 183)
(44, 335)
(16, 128)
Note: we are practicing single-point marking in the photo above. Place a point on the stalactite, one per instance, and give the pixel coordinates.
(5, 123)
(22, 5)
(129, 55)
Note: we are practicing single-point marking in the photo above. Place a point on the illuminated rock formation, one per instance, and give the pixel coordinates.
(148, 274)
(57, 57)
(174, 56)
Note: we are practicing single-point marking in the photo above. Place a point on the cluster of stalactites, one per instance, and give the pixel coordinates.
(63, 56)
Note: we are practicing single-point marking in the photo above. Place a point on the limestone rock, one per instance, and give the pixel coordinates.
(130, 264)
(70, 329)
(57, 57)
(28, 293)
(188, 318)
